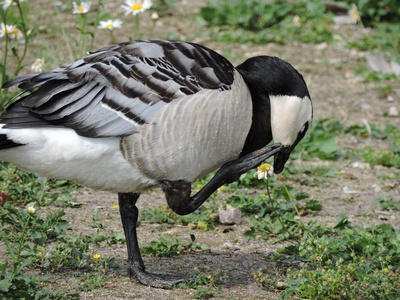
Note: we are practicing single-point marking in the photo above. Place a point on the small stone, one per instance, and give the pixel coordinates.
(321, 46)
(191, 226)
(229, 216)
(393, 112)
(281, 285)
(395, 67)
(361, 165)
(230, 246)
(378, 63)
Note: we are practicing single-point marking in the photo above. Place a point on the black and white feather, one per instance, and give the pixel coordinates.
(127, 116)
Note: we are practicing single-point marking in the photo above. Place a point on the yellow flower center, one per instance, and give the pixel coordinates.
(15, 31)
(110, 25)
(81, 8)
(136, 6)
(264, 168)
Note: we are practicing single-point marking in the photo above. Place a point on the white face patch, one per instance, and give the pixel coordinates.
(288, 116)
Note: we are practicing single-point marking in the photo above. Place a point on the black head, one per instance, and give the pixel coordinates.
(281, 91)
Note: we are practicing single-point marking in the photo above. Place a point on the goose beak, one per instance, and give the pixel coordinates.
(281, 158)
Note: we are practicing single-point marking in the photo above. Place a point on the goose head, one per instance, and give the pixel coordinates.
(282, 107)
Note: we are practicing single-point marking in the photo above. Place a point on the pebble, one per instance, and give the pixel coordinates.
(230, 215)
(361, 165)
(191, 226)
(230, 246)
(393, 112)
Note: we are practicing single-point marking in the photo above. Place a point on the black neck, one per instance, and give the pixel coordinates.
(260, 133)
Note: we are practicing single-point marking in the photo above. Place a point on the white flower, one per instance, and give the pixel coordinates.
(31, 210)
(296, 21)
(136, 6)
(10, 30)
(7, 3)
(37, 66)
(110, 24)
(354, 14)
(264, 171)
(155, 16)
(82, 8)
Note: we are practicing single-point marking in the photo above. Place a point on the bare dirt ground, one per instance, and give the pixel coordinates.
(337, 93)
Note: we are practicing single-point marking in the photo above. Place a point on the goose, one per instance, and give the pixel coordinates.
(141, 114)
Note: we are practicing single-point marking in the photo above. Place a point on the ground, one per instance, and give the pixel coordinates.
(337, 93)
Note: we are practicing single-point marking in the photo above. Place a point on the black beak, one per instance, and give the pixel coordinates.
(281, 158)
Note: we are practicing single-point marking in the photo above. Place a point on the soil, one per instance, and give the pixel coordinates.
(337, 92)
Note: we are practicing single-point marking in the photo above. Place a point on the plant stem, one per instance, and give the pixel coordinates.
(3, 70)
(16, 262)
(137, 24)
(20, 59)
(294, 205)
(67, 43)
(83, 35)
(96, 23)
(277, 207)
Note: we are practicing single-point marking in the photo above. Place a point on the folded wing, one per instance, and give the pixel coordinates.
(112, 91)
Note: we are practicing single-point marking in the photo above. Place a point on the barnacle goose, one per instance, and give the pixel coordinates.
(155, 113)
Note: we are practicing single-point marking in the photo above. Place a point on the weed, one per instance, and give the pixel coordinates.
(205, 285)
(272, 217)
(39, 231)
(384, 203)
(23, 188)
(17, 18)
(349, 263)
(319, 142)
(377, 11)
(170, 247)
(201, 216)
(14, 283)
(385, 157)
(90, 281)
(274, 21)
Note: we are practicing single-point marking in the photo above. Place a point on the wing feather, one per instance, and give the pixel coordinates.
(112, 91)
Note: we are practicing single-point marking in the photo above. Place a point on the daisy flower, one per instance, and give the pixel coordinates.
(264, 171)
(155, 16)
(82, 8)
(136, 6)
(110, 24)
(7, 3)
(354, 14)
(10, 30)
(31, 210)
(37, 66)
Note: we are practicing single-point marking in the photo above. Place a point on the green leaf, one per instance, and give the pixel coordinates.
(301, 196)
(342, 221)
(314, 205)
(6, 282)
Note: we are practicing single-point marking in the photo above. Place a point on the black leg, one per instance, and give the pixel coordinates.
(129, 216)
(178, 192)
